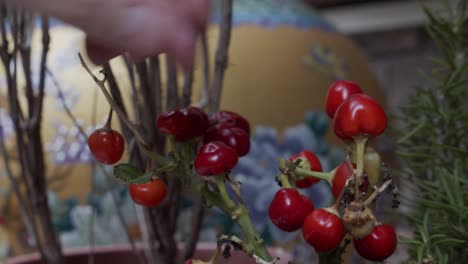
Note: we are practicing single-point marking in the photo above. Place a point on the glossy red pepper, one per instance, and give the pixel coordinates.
(309, 162)
(359, 115)
(289, 208)
(198, 122)
(172, 122)
(338, 92)
(378, 245)
(215, 158)
(106, 145)
(230, 119)
(323, 230)
(148, 194)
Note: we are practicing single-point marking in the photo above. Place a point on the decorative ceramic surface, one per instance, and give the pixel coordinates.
(274, 13)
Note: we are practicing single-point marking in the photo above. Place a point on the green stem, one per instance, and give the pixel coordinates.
(222, 191)
(283, 178)
(159, 159)
(253, 244)
(328, 176)
(411, 133)
(213, 198)
(360, 149)
(353, 154)
(173, 147)
(188, 156)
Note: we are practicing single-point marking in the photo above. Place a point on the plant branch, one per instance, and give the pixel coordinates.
(187, 88)
(197, 219)
(156, 85)
(115, 107)
(171, 85)
(204, 101)
(221, 54)
(120, 216)
(377, 191)
(23, 205)
(117, 96)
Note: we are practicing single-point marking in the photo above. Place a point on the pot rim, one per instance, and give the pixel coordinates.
(201, 246)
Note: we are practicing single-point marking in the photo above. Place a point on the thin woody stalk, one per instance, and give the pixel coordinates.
(221, 58)
(28, 127)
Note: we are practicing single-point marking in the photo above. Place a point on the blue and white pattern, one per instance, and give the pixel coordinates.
(323, 60)
(6, 124)
(274, 13)
(69, 146)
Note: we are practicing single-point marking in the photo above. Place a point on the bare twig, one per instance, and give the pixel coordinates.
(91, 220)
(25, 50)
(61, 96)
(197, 217)
(156, 86)
(107, 175)
(187, 88)
(117, 96)
(377, 191)
(148, 113)
(22, 203)
(115, 107)
(206, 72)
(135, 95)
(121, 217)
(221, 54)
(39, 99)
(148, 233)
(171, 86)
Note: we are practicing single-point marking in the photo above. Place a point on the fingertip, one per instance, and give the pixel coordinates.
(183, 48)
(99, 54)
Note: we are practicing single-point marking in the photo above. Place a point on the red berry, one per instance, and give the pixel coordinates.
(289, 208)
(215, 158)
(323, 230)
(188, 261)
(172, 122)
(231, 119)
(378, 245)
(359, 115)
(197, 124)
(106, 145)
(338, 93)
(234, 137)
(148, 194)
(309, 162)
(343, 173)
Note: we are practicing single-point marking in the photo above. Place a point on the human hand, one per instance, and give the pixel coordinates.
(139, 27)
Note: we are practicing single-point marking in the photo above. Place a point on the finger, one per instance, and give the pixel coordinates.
(202, 11)
(197, 11)
(182, 46)
(100, 54)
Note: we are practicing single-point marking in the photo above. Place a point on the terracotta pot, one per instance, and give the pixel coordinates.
(122, 254)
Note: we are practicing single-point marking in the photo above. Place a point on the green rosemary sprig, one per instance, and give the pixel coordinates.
(434, 150)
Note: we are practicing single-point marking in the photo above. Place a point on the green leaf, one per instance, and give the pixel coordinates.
(406, 240)
(449, 242)
(128, 173)
(423, 234)
(445, 185)
(420, 253)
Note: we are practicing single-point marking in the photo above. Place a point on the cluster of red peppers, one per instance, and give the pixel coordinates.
(217, 141)
(356, 117)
